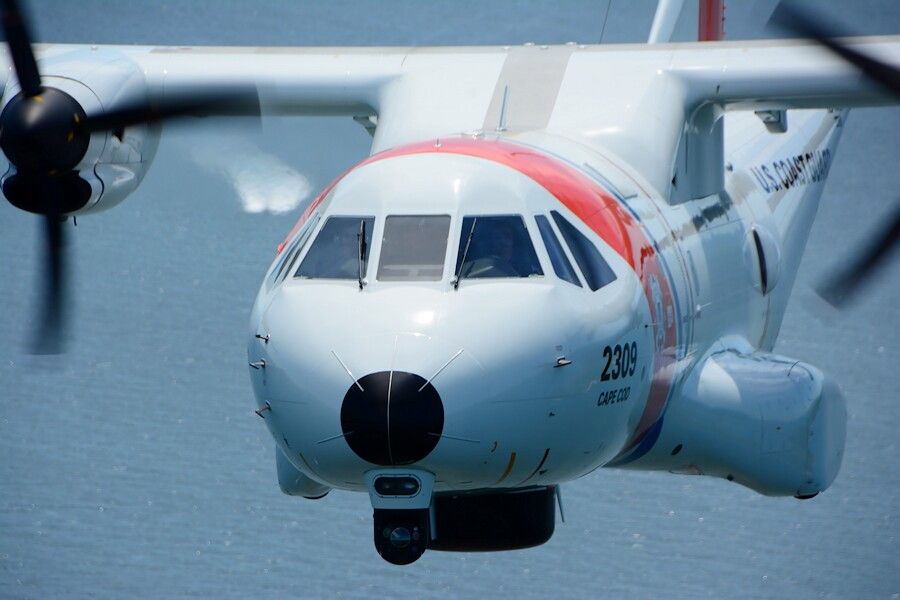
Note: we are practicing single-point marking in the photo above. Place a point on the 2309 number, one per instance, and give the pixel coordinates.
(623, 360)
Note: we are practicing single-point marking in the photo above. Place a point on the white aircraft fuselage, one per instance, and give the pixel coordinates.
(540, 381)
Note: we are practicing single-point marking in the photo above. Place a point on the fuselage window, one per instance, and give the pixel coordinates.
(494, 246)
(289, 254)
(340, 250)
(561, 265)
(413, 248)
(595, 270)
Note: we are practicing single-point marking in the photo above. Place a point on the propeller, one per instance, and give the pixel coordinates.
(841, 286)
(45, 134)
(800, 23)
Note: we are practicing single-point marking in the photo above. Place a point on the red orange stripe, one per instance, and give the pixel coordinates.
(600, 211)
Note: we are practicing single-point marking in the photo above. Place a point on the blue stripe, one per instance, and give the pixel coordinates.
(644, 446)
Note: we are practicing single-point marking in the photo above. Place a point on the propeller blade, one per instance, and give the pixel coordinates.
(840, 287)
(49, 337)
(19, 42)
(227, 102)
(800, 23)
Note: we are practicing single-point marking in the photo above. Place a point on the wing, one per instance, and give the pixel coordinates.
(633, 100)
(412, 93)
(645, 104)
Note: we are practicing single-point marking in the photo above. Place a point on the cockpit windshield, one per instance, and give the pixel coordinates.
(495, 246)
(413, 248)
(596, 271)
(289, 255)
(336, 253)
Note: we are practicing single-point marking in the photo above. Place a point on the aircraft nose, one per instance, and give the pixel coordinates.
(392, 418)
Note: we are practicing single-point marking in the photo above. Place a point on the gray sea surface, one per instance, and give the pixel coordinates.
(133, 466)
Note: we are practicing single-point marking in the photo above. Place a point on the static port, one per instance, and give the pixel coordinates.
(396, 486)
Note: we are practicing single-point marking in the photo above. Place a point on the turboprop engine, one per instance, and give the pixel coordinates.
(52, 147)
(79, 138)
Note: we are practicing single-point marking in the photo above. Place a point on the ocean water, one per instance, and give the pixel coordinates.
(133, 466)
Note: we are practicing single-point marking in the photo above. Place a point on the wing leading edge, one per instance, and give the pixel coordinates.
(634, 101)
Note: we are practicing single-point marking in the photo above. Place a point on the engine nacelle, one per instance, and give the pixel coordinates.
(115, 162)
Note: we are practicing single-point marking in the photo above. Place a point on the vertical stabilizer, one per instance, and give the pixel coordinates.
(711, 25)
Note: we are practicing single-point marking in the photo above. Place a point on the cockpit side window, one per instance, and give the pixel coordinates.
(596, 271)
(561, 265)
(289, 255)
(413, 248)
(494, 247)
(334, 253)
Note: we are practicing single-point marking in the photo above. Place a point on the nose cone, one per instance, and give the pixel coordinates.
(392, 418)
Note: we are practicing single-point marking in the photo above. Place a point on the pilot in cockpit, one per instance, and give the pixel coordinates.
(496, 261)
(498, 249)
